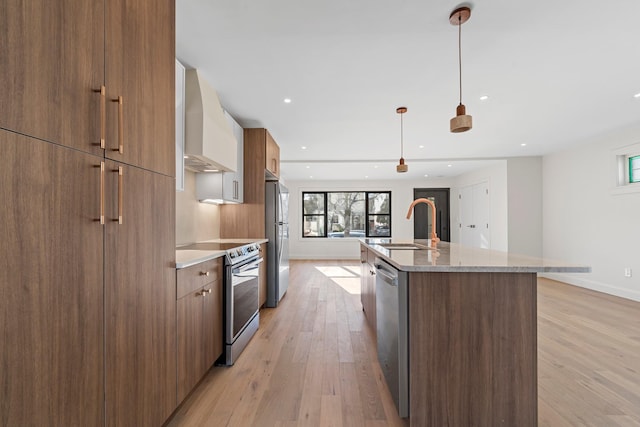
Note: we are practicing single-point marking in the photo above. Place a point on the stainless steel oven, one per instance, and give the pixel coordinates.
(242, 299)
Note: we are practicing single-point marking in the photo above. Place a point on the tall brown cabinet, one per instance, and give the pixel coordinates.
(87, 310)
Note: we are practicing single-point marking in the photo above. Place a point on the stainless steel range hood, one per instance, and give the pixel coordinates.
(209, 142)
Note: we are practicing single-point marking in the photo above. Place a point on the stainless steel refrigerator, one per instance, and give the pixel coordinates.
(277, 231)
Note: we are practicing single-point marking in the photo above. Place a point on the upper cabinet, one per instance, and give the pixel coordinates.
(50, 76)
(92, 82)
(140, 67)
(272, 165)
(233, 182)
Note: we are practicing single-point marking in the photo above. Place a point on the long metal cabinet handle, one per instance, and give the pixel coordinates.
(101, 193)
(103, 114)
(249, 266)
(120, 102)
(387, 277)
(120, 196)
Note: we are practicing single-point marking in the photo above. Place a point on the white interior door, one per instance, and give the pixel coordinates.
(474, 216)
(466, 216)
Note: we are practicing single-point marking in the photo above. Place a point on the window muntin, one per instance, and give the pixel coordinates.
(338, 214)
(634, 169)
(313, 214)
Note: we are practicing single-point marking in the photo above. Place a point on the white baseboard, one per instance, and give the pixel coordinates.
(572, 279)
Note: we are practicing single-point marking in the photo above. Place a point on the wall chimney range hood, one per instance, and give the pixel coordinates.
(209, 141)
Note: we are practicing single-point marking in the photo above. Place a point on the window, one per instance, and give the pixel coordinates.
(346, 214)
(634, 169)
(627, 160)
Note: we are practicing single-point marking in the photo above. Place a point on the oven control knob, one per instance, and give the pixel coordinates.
(232, 254)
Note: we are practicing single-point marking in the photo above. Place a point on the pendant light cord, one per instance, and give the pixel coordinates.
(401, 135)
(460, 53)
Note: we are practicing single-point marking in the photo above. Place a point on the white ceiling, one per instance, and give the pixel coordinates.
(556, 72)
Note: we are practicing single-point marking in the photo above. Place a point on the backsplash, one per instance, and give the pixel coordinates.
(194, 221)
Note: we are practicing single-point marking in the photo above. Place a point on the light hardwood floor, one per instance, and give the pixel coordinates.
(313, 360)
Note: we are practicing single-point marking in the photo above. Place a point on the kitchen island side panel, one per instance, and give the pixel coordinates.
(473, 349)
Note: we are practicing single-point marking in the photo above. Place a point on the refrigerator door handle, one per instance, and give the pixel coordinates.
(280, 221)
(279, 228)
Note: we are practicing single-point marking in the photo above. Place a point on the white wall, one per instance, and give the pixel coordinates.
(585, 222)
(524, 205)
(348, 248)
(195, 221)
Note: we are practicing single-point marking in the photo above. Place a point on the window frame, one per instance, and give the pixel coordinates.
(631, 160)
(325, 215)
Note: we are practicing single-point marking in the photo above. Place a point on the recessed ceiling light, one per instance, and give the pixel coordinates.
(426, 176)
(308, 167)
(303, 148)
(449, 166)
(420, 146)
(287, 101)
(524, 144)
(366, 176)
(484, 97)
(311, 176)
(375, 166)
(637, 95)
(211, 170)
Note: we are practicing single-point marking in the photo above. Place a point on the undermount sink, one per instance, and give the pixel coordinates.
(404, 246)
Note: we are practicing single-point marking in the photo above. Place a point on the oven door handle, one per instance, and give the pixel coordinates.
(248, 266)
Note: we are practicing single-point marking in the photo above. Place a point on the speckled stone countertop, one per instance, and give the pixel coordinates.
(452, 257)
(187, 257)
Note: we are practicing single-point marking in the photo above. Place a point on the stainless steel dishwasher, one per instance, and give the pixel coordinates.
(392, 324)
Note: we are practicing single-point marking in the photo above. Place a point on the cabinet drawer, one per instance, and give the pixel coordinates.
(190, 279)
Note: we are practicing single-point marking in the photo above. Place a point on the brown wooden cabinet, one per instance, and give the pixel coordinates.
(247, 220)
(140, 71)
(51, 285)
(52, 63)
(199, 319)
(96, 326)
(272, 159)
(368, 286)
(472, 349)
(140, 296)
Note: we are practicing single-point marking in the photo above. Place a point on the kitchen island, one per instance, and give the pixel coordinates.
(471, 334)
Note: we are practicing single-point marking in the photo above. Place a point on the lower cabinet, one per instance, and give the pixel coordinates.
(199, 319)
(87, 311)
(140, 302)
(51, 293)
(368, 286)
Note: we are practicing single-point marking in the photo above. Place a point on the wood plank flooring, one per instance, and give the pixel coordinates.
(588, 358)
(313, 360)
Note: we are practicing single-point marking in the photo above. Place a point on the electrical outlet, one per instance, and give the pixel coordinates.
(627, 272)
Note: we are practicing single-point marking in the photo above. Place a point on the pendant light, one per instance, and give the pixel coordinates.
(461, 122)
(401, 168)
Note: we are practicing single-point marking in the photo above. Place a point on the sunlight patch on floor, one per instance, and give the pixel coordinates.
(347, 277)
